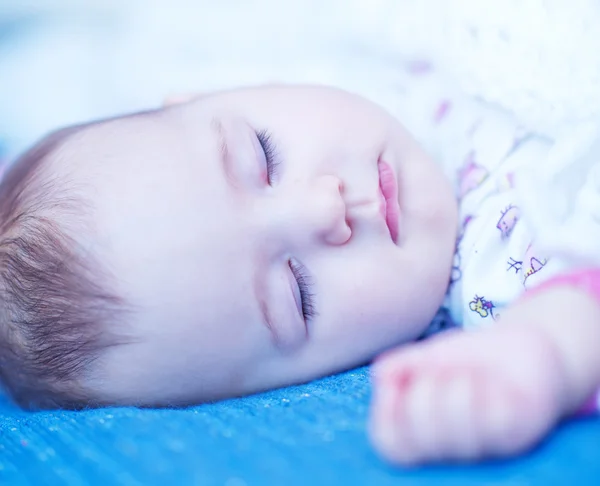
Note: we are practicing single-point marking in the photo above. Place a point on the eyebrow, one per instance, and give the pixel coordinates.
(224, 153)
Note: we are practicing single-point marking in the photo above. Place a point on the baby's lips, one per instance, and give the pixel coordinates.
(388, 186)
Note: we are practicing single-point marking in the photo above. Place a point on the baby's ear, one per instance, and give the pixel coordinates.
(177, 99)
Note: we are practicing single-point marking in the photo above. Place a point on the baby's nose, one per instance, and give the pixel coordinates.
(323, 210)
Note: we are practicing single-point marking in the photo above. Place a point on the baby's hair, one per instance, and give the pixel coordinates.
(56, 313)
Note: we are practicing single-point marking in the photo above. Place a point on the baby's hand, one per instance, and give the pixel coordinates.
(464, 396)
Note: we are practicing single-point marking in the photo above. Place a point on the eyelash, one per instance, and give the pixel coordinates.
(304, 284)
(266, 142)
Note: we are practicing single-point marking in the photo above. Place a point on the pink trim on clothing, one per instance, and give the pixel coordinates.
(587, 280)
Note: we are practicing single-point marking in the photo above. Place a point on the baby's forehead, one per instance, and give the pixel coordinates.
(111, 145)
(74, 168)
(114, 134)
(132, 166)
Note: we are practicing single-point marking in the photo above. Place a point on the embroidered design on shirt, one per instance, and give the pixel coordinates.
(485, 308)
(534, 266)
(533, 263)
(530, 265)
(471, 175)
(515, 265)
(508, 220)
(442, 111)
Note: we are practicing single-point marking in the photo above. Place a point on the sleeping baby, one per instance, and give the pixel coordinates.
(254, 238)
(259, 237)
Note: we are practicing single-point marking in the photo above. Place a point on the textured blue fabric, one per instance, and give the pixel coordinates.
(312, 434)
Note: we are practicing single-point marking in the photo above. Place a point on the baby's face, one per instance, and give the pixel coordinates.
(247, 229)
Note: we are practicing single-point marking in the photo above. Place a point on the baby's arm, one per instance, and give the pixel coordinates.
(495, 392)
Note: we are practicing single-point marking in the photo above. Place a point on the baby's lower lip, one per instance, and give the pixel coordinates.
(390, 207)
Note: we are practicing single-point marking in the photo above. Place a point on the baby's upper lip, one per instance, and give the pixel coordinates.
(388, 186)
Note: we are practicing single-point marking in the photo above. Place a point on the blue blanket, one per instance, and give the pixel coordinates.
(311, 434)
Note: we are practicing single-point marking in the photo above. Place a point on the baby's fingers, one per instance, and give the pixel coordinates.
(389, 424)
(459, 436)
(429, 414)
